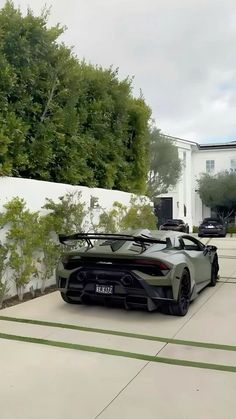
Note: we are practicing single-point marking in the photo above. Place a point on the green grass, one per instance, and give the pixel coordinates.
(114, 352)
(207, 345)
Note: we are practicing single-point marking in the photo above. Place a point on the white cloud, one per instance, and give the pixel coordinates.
(181, 52)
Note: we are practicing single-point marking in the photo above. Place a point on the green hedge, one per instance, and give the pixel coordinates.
(231, 228)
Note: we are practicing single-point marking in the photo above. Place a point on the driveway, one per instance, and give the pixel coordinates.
(66, 361)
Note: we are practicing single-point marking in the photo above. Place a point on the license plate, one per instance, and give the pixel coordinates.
(210, 226)
(104, 289)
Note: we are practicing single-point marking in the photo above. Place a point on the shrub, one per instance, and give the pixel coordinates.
(49, 250)
(67, 215)
(139, 214)
(231, 229)
(20, 242)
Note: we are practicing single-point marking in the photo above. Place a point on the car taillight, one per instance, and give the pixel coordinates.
(153, 263)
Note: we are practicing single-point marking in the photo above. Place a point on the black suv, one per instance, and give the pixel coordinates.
(212, 227)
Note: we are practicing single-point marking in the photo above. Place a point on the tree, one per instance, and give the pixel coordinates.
(61, 119)
(21, 242)
(139, 214)
(165, 165)
(219, 193)
(66, 215)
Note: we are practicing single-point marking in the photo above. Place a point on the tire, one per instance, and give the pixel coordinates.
(214, 272)
(68, 300)
(180, 308)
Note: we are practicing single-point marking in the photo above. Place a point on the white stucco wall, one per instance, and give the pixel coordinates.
(222, 158)
(35, 192)
(182, 193)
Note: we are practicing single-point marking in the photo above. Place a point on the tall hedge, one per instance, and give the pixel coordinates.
(61, 119)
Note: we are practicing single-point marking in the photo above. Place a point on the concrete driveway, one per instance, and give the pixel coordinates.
(66, 361)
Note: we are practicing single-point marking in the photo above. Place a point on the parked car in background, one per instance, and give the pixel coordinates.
(175, 225)
(212, 227)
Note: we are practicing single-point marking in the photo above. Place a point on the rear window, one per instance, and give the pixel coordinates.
(209, 221)
(174, 222)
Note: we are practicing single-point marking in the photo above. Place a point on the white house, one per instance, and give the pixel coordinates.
(184, 201)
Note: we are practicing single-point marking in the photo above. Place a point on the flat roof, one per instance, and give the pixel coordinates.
(216, 146)
(205, 146)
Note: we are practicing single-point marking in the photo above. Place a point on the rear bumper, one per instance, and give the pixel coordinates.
(140, 295)
(212, 232)
(173, 229)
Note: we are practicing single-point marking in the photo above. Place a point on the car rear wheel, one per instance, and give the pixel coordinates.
(180, 308)
(214, 272)
(68, 300)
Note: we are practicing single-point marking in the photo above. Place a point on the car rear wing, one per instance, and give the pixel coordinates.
(141, 240)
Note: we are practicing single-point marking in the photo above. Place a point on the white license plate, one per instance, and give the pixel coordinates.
(104, 289)
(210, 226)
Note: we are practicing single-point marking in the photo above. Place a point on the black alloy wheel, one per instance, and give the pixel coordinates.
(180, 308)
(214, 271)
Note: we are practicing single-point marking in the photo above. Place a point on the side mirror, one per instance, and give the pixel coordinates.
(208, 249)
(212, 248)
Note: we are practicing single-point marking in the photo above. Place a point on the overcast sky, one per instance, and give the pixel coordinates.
(182, 54)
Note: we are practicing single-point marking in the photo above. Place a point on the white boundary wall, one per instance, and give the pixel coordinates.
(35, 192)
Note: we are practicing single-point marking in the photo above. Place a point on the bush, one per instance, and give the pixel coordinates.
(67, 215)
(139, 214)
(49, 249)
(20, 242)
(195, 229)
(231, 229)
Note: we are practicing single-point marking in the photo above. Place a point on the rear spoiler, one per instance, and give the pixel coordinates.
(141, 240)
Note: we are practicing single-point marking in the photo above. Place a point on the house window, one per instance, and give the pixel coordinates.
(210, 166)
(233, 165)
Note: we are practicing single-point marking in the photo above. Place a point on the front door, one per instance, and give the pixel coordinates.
(164, 210)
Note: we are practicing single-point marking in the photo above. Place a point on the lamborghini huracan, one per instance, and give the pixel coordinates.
(162, 270)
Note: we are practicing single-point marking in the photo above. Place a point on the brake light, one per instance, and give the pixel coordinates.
(163, 267)
(152, 262)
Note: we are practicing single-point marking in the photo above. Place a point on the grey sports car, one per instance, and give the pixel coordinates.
(160, 270)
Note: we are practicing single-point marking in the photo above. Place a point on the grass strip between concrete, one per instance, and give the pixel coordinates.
(207, 345)
(114, 352)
